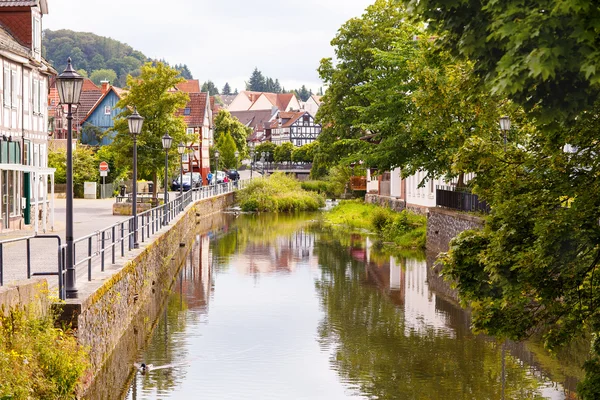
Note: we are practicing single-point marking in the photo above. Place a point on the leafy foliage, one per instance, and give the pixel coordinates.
(227, 150)
(154, 100)
(210, 87)
(278, 193)
(85, 167)
(38, 360)
(526, 53)
(226, 124)
(283, 152)
(94, 53)
(226, 89)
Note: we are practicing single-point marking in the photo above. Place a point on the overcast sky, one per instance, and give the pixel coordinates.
(219, 40)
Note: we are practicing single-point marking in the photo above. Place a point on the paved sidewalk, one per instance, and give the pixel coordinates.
(88, 216)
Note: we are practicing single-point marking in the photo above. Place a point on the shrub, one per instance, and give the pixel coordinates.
(278, 193)
(380, 219)
(38, 360)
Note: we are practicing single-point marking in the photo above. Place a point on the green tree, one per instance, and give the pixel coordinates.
(303, 93)
(355, 46)
(97, 62)
(257, 82)
(283, 152)
(210, 87)
(265, 147)
(304, 153)
(226, 89)
(226, 124)
(85, 168)
(226, 146)
(527, 53)
(184, 71)
(154, 100)
(103, 75)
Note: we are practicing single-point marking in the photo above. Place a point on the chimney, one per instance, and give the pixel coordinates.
(105, 86)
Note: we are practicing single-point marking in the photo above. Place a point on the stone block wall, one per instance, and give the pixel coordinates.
(107, 308)
(31, 295)
(386, 201)
(443, 225)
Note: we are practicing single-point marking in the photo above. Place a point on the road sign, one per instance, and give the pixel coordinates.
(103, 173)
(103, 166)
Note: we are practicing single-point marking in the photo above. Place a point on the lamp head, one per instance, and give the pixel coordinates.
(69, 85)
(135, 122)
(181, 148)
(166, 141)
(505, 123)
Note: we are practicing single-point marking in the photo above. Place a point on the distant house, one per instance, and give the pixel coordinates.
(90, 93)
(24, 172)
(312, 104)
(101, 116)
(282, 101)
(227, 99)
(198, 117)
(259, 121)
(296, 127)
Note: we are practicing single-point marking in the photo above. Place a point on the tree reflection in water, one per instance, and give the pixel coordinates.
(377, 354)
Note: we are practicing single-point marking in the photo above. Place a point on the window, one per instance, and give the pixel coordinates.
(26, 93)
(13, 88)
(186, 111)
(106, 110)
(36, 35)
(26, 160)
(190, 131)
(6, 83)
(36, 95)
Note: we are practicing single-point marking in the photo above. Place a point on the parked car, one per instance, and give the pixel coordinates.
(187, 183)
(233, 175)
(218, 177)
(196, 179)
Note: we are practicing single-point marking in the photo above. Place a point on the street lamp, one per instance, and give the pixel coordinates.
(135, 122)
(262, 161)
(216, 163)
(505, 127)
(181, 151)
(166, 144)
(251, 162)
(267, 160)
(237, 154)
(69, 85)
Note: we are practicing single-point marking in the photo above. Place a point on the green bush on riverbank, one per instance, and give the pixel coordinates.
(405, 229)
(38, 360)
(277, 193)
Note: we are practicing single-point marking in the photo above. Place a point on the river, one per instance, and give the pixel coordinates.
(278, 307)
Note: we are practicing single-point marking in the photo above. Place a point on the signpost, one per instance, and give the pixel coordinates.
(103, 172)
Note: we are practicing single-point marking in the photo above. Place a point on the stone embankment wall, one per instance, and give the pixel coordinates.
(30, 295)
(443, 225)
(384, 201)
(105, 312)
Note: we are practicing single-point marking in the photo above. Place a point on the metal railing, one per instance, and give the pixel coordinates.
(94, 248)
(459, 199)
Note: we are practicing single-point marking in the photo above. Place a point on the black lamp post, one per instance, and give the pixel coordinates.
(505, 127)
(262, 160)
(181, 151)
(216, 163)
(267, 161)
(251, 162)
(166, 144)
(69, 85)
(135, 122)
(237, 155)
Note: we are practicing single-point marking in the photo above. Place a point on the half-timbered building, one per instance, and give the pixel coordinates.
(296, 127)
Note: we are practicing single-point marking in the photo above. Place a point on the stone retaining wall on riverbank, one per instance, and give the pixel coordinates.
(392, 203)
(30, 295)
(107, 306)
(443, 225)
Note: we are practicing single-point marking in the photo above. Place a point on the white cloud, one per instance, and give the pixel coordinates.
(220, 41)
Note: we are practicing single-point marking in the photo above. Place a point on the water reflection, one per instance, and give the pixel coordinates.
(299, 312)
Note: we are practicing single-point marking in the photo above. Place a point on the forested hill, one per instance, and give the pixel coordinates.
(100, 57)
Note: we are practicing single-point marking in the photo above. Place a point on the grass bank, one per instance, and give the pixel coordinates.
(404, 229)
(278, 193)
(38, 360)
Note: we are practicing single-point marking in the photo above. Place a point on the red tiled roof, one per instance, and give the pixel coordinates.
(253, 118)
(287, 119)
(279, 100)
(197, 106)
(191, 86)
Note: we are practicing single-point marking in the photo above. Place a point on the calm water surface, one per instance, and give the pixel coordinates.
(274, 307)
